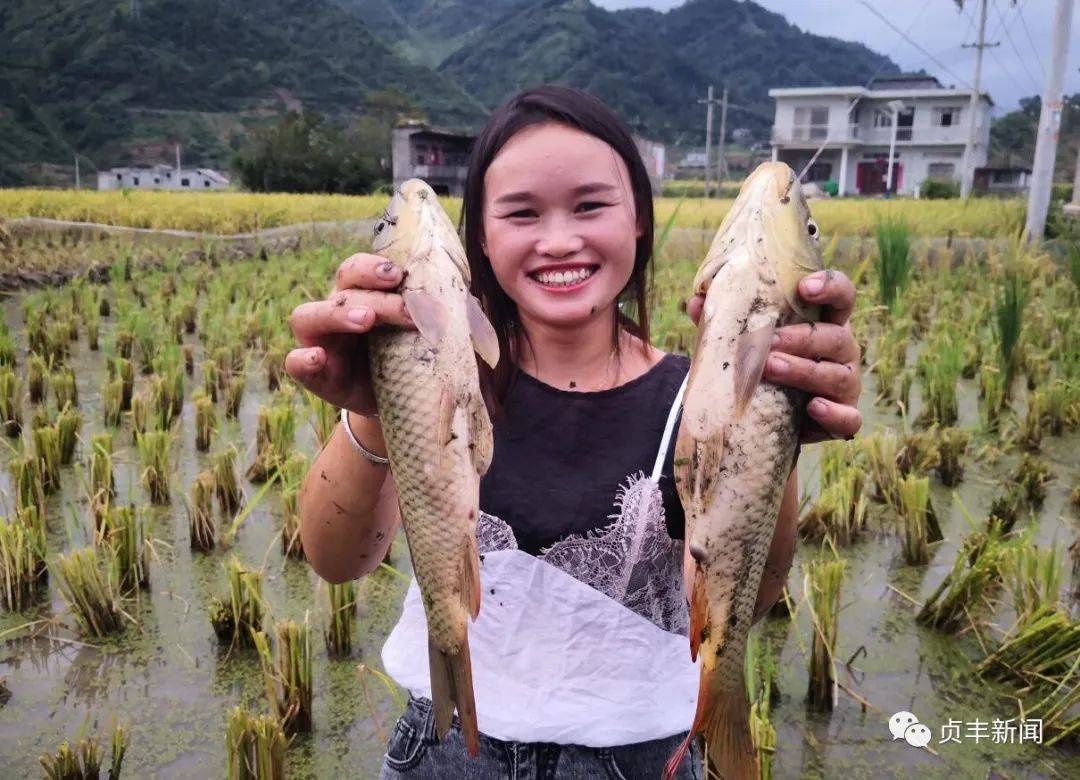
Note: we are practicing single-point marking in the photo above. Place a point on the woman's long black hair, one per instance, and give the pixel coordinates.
(582, 111)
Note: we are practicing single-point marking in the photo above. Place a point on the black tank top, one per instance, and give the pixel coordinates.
(561, 455)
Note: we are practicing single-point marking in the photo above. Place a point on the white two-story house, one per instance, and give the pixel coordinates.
(855, 126)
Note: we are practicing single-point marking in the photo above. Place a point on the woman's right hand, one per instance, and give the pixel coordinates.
(332, 360)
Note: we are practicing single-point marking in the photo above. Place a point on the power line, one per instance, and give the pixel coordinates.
(1034, 48)
(908, 38)
(1012, 44)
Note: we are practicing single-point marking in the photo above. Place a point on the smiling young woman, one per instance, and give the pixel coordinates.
(581, 664)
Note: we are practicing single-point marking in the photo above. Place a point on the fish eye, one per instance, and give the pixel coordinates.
(811, 228)
(379, 227)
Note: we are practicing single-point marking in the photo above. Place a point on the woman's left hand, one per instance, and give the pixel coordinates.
(821, 358)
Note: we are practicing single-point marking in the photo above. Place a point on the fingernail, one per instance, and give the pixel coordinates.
(817, 406)
(358, 316)
(387, 270)
(313, 356)
(776, 339)
(777, 365)
(814, 285)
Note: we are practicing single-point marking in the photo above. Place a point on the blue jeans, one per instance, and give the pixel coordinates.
(415, 752)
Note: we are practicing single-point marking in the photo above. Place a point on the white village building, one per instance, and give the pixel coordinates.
(161, 177)
(931, 132)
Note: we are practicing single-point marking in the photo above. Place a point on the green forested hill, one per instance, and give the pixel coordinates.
(92, 76)
(119, 81)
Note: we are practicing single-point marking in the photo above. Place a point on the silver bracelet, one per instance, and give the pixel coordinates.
(356, 445)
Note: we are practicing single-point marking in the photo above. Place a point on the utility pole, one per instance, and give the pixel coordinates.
(721, 164)
(969, 151)
(708, 138)
(1042, 173)
(77, 184)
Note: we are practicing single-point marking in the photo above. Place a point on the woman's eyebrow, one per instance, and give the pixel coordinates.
(591, 188)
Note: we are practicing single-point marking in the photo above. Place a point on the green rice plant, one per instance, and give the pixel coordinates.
(1032, 474)
(205, 420)
(123, 530)
(37, 378)
(140, 414)
(821, 583)
(919, 453)
(93, 596)
(124, 341)
(288, 676)
(29, 481)
(64, 388)
(275, 437)
(11, 402)
(340, 601)
(761, 689)
(940, 366)
(211, 381)
(122, 369)
(1054, 401)
(200, 509)
(952, 446)
(907, 378)
(325, 416)
(112, 400)
(893, 260)
(919, 519)
(976, 570)
(22, 562)
(1044, 645)
(47, 451)
(275, 366)
(188, 352)
(256, 746)
(1034, 576)
(841, 509)
(68, 423)
(93, 334)
(234, 394)
(102, 481)
(153, 447)
(241, 616)
(83, 762)
(881, 450)
(293, 472)
(991, 395)
(1030, 433)
(230, 498)
(1008, 322)
(1005, 508)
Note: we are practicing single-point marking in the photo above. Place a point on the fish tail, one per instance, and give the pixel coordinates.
(723, 718)
(452, 688)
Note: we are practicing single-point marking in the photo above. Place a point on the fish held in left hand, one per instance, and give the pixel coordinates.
(737, 444)
(437, 431)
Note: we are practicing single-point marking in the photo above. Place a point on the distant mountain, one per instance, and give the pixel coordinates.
(95, 77)
(654, 66)
(120, 81)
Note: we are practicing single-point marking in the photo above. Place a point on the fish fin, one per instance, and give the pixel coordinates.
(484, 339)
(482, 442)
(699, 611)
(753, 349)
(697, 464)
(723, 718)
(428, 313)
(445, 424)
(470, 575)
(452, 688)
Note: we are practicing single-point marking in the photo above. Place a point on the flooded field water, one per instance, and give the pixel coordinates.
(170, 684)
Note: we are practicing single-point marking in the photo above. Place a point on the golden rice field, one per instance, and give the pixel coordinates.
(240, 212)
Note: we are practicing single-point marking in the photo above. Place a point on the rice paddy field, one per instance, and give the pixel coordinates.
(155, 606)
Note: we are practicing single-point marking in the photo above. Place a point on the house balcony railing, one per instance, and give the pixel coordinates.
(881, 136)
(815, 134)
(457, 172)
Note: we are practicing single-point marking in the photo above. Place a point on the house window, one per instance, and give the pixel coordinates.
(135, 181)
(119, 177)
(184, 183)
(882, 118)
(819, 172)
(946, 116)
(811, 123)
(206, 184)
(421, 159)
(941, 170)
(157, 180)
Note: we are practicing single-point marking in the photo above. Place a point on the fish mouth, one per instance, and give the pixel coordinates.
(564, 277)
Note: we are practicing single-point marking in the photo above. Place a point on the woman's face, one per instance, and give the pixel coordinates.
(559, 224)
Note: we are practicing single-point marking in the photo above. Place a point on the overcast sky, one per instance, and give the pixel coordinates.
(1012, 70)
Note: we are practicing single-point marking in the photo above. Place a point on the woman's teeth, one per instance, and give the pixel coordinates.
(564, 278)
